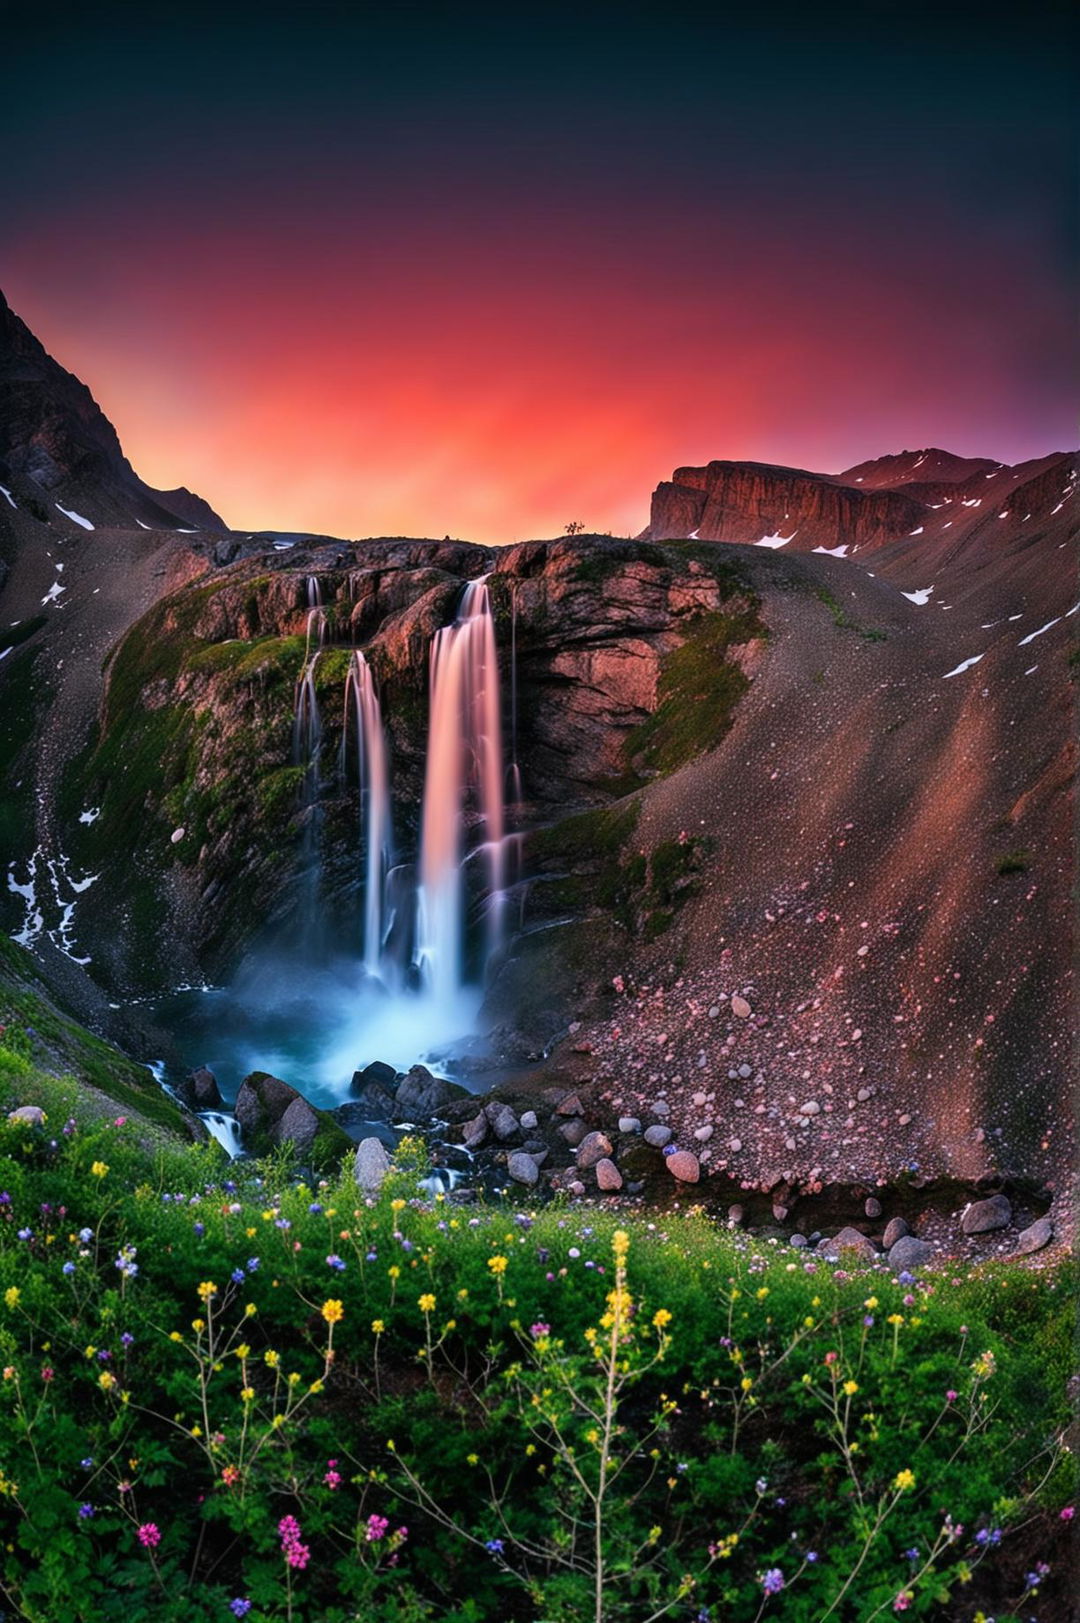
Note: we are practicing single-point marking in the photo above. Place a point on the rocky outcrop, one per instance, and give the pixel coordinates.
(751, 501)
(272, 1114)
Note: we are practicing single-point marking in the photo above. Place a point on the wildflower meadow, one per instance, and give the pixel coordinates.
(226, 1394)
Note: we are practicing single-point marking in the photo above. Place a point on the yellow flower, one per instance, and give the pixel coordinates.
(316, 1386)
(746, 1383)
(620, 1244)
(397, 1205)
(762, 1293)
(243, 1351)
(207, 1289)
(661, 1317)
(426, 1303)
(472, 1459)
(497, 1265)
(250, 1310)
(271, 1358)
(198, 1324)
(871, 1303)
(247, 1394)
(378, 1326)
(985, 1365)
(106, 1381)
(895, 1318)
(11, 1296)
(174, 1335)
(903, 1480)
(99, 1169)
(332, 1312)
(850, 1388)
(394, 1271)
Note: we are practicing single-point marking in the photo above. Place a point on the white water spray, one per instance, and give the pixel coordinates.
(375, 815)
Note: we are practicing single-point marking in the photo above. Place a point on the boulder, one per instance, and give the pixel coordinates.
(501, 1120)
(33, 1115)
(593, 1147)
(1035, 1236)
(684, 1166)
(983, 1216)
(608, 1176)
(260, 1104)
(371, 1165)
(872, 1206)
(658, 1136)
(569, 1106)
(849, 1239)
(629, 1124)
(895, 1229)
(909, 1253)
(299, 1127)
(378, 1071)
(573, 1132)
(529, 1120)
(475, 1131)
(740, 1008)
(421, 1095)
(199, 1090)
(271, 1113)
(522, 1168)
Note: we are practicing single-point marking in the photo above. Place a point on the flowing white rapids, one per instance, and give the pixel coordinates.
(464, 767)
(306, 749)
(375, 815)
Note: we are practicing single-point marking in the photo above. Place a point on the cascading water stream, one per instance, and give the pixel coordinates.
(306, 747)
(464, 764)
(375, 811)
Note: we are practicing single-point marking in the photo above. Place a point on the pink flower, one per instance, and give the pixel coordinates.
(1068, 1513)
(298, 1555)
(951, 1396)
(149, 1535)
(377, 1528)
(332, 1478)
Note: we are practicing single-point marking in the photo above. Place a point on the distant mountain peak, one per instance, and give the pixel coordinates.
(59, 451)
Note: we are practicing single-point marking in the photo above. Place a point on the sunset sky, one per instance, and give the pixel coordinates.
(485, 270)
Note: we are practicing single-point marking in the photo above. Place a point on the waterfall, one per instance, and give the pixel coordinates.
(464, 766)
(314, 592)
(306, 747)
(374, 784)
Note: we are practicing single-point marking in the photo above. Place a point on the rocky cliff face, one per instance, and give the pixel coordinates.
(200, 811)
(915, 509)
(752, 502)
(59, 450)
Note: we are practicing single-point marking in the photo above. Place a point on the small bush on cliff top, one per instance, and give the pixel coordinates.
(239, 1397)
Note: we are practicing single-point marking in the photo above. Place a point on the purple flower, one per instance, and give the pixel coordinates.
(200, 1230)
(239, 1607)
(86, 1511)
(252, 1264)
(494, 1546)
(26, 1234)
(538, 1330)
(315, 1207)
(334, 1261)
(282, 1223)
(127, 1339)
(773, 1581)
(237, 1276)
(86, 1235)
(68, 1268)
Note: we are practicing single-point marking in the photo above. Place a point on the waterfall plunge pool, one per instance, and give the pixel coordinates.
(313, 1027)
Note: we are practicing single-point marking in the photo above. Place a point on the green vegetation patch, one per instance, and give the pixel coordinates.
(842, 619)
(700, 685)
(1013, 862)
